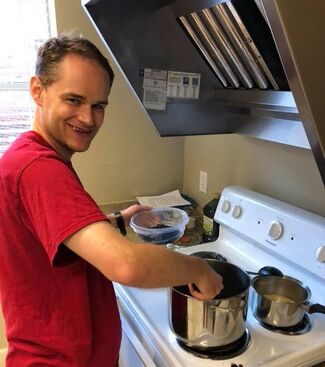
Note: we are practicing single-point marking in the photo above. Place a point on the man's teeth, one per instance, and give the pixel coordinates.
(80, 130)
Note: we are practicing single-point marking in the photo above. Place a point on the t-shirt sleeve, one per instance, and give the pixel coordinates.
(56, 204)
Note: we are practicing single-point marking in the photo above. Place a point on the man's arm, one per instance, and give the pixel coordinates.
(141, 265)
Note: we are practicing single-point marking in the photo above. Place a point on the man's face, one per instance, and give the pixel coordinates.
(71, 110)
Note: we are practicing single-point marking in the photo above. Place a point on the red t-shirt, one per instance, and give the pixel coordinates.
(58, 309)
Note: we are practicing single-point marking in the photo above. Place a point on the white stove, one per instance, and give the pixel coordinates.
(255, 231)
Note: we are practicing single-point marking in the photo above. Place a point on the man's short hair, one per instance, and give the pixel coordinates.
(52, 52)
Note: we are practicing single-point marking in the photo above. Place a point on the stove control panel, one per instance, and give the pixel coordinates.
(281, 229)
(225, 206)
(275, 230)
(236, 213)
(320, 253)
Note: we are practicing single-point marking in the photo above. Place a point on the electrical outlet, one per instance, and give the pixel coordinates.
(203, 185)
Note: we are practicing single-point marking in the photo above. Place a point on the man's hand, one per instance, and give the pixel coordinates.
(129, 212)
(208, 285)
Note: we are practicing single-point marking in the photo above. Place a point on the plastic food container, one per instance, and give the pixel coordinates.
(160, 225)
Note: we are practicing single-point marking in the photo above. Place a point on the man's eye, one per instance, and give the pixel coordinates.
(99, 107)
(73, 101)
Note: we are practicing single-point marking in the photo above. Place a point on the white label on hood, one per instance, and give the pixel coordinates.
(154, 89)
(183, 85)
(155, 74)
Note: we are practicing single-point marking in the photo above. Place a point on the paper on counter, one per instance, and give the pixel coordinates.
(172, 198)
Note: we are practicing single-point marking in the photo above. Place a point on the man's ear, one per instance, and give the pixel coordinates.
(36, 90)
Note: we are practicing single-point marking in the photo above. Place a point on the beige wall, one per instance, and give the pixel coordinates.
(284, 172)
(127, 158)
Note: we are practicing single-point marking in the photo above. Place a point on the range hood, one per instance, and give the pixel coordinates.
(251, 67)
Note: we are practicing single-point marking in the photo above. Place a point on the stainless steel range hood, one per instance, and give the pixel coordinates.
(251, 67)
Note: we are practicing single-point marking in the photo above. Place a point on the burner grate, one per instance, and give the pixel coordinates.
(301, 328)
(209, 255)
(219, 353)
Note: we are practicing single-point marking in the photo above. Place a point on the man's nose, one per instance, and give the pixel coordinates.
(85, 114)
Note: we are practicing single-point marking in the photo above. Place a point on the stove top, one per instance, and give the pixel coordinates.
(255, 231)
(266, 347)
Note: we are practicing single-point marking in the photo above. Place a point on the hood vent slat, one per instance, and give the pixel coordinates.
(251, 45)
(202, 49)
(218, 33)
(241, 44)
(227, 47)
(218, 51)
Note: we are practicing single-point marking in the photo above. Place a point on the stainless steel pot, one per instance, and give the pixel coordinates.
(213, 323)
(281, 301)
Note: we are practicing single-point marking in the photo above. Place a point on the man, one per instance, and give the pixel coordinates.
(59, 252)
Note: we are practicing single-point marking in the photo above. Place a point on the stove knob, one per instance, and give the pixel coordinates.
(225, 206)
(275, 230)
(236, 213)
(320, 253)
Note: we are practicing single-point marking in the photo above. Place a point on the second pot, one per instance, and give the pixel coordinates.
(213, 323)
(281, 301)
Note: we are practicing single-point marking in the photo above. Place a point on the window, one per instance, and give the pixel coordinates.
(24, 25)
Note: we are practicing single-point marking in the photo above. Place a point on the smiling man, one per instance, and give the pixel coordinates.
(70, 110)
(59, 252)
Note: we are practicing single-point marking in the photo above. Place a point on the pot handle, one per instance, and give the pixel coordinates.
(315, 308)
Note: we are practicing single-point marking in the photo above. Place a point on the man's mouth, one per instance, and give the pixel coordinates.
(80, 130)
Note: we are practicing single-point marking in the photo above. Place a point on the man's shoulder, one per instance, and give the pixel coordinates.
(27, 148)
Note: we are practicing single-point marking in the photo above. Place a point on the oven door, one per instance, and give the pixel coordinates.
(137, 349)
(129, 356)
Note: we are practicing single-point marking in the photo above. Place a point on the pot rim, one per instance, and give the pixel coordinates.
(239, 295)
(285, 277)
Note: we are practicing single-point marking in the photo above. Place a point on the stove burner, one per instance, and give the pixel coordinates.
(209, 255)
(301, 328)
(224, 352)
